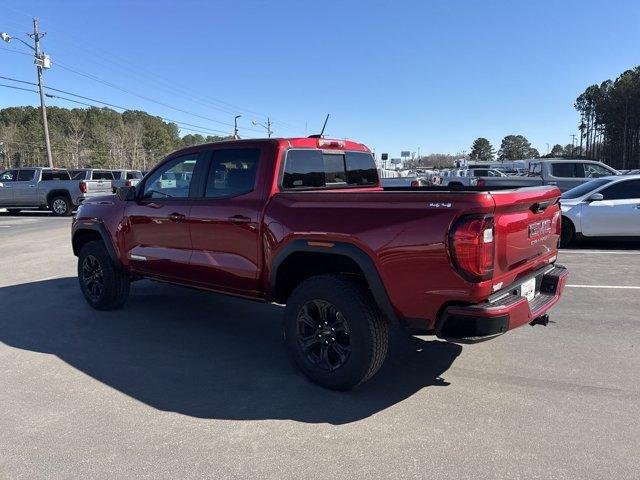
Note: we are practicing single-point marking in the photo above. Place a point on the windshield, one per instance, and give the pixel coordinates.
(585, 188)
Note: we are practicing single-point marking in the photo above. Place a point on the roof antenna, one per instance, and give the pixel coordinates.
(323, 127)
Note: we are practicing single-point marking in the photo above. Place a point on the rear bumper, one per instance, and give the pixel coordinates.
(504, 310)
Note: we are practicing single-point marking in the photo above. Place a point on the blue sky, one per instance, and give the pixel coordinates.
(394, 75)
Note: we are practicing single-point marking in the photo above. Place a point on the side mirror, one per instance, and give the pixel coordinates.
(596, 197)
(126, 194)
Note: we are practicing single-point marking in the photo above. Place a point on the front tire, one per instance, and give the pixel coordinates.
(335, 332)
(568, 233)
(102, 284)
(61, 206)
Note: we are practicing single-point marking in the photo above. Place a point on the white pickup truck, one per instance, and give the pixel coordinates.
(45, 188)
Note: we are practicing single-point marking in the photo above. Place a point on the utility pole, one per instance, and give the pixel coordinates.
(235, 127)
(573, 141)
(42, 61)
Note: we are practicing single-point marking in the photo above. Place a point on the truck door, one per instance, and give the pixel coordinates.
(225, 222)
(25, 189)
(157, 240)
(7, 180)
(618, 214)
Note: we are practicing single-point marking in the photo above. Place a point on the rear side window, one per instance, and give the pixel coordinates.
(101, 175)
(26, 175)
(77, 174)
(133, 175)
(622, 190)
(50, 175)
(117, 175)
(315, 169)
(567, 170)
(232, 172)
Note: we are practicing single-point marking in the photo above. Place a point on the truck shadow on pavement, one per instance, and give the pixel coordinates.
(202, 354)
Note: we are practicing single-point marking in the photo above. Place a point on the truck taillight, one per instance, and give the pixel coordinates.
(472, 247)
(415, 183)
(330, 143)
(556, 224)
(83, 187)
(481, 182)
(127, 183)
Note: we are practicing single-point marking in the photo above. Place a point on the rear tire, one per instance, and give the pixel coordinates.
(102, 284)
(61, 206)
(568, 233)
(335, 332)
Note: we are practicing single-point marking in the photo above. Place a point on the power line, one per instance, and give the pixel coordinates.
(144, 97)
(182, 125)
(169, 84)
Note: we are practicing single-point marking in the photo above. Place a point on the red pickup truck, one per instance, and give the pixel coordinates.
(303, 222)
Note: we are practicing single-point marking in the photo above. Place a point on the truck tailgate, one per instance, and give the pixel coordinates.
(527, 229)
(98, 187)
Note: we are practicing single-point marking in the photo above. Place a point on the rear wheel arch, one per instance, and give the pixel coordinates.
(299, 261)
(57, 193)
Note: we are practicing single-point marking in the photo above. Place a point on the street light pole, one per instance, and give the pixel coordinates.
(39, 65)
(267, 126)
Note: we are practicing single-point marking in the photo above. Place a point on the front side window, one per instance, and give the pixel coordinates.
(622, 190)
(567, 170)
(9, 176)
(172, 180)
(232, 172)
(593, 170)
(316, 169)
(26, 175)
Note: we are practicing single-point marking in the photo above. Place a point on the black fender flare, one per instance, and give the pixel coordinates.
(95, 226)
(58, 193)
(362, 259)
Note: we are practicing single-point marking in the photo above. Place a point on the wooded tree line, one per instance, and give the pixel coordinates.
(610, 126)
(92, 137)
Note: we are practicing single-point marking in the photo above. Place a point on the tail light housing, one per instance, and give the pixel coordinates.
(83, 187)
(472, 247)
(415, 183)
(127, 183)
(481, 182)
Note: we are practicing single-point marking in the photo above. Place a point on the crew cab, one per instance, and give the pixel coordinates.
(44, 188)
(303, 222)
(562, 173)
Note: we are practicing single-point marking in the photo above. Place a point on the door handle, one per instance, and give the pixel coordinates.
(32, 186)
(239, 219)
(176, 217)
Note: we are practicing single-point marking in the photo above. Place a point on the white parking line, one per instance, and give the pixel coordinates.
(624, 287)
(608, 252)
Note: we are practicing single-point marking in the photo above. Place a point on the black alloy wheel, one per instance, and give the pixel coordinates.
(323, 335)
(93, 277)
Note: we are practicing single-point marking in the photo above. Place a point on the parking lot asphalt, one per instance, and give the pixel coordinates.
(187, 384)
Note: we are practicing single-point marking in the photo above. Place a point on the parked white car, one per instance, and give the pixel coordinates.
(604, 207)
